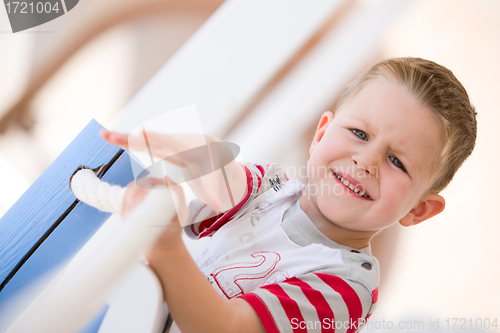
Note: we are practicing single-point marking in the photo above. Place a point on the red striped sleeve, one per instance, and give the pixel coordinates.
(348, 294)
(289, 305)
(262, 311)
(317, 300)
(261, 169)
(311, 301)
(259, 183)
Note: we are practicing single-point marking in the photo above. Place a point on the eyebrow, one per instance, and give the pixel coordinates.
(364, 122)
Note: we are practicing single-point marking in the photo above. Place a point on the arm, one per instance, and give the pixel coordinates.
(211, 188)
(192, 301)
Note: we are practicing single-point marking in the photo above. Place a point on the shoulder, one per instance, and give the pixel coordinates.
(341, 293)
(316, 300)
(362, 268)
(263, 177)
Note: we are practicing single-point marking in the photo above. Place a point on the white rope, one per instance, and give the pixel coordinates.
(88, 188)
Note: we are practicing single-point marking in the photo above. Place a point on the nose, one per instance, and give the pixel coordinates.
(367, 161)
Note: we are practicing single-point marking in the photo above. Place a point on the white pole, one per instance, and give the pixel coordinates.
(77, 298)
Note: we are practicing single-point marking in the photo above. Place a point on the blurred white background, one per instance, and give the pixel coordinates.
(444, 268)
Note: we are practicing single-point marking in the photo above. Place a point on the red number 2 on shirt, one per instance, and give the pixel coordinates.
(235, 279)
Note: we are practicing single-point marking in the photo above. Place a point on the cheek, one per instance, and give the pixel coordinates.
(395, 189)
(331, 147)
(317, 171)
(399, 193)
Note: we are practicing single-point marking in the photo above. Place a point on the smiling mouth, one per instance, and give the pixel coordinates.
(351, 187)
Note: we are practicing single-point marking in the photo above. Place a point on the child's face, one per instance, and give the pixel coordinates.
(382, 142)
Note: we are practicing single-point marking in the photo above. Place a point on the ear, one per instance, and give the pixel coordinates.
(430, 205)
(325, 120)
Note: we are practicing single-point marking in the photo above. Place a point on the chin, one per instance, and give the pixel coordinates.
(336, 214)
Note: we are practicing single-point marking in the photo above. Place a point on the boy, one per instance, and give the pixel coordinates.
(293, 258)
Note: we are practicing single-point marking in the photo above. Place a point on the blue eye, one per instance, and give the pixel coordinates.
(397, 163)
(360, 134)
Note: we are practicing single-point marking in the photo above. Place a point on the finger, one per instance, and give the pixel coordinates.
(158, 145)
(166, 146)
(116, 139)
(153, 143)
(133, 196)
(105, 135)
(151, 182)
(129, 141)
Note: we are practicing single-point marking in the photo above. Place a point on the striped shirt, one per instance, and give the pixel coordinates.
(268, 252)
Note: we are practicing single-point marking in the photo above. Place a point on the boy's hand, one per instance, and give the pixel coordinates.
(161, 145)
(171, 235)
(135, 194)
(219, 192)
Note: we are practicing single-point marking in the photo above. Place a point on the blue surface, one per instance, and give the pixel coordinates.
(94, 325)
(44, 202)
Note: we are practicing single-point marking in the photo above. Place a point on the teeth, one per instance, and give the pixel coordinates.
(351, 187)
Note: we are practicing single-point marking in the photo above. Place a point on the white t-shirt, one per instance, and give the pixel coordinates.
(268, 252)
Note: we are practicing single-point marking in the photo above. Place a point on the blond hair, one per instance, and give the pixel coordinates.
(437, 88)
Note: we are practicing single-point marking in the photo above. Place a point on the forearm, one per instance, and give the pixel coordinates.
(219, 187)
(193, 302)
(221, 191)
